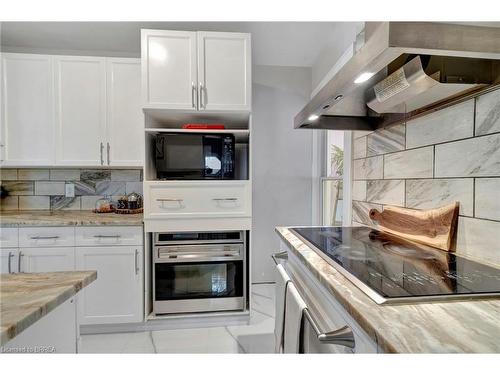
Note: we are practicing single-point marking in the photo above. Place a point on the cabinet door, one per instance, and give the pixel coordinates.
(28, 110)
(8, 260)
(80, 110)
(116, 295)
(125, 120)
(47, 259)
(168, 69)
(224, 66)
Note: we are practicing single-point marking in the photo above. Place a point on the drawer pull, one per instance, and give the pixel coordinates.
(20, 255)
(283, 255)
(342, 336)
(225, 199)
(10, 261)
(176, 200)
(107, 236)
(44, 237)
(136, 262)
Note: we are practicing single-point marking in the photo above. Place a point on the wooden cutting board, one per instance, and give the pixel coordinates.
(434, 227)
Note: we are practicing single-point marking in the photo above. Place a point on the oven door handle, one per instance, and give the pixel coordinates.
(201, 255)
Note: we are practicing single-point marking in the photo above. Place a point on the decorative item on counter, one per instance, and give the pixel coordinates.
(104, 205)
(435, 227)
(122, 203)
(204, 126)
(134, 200)
(132, 204)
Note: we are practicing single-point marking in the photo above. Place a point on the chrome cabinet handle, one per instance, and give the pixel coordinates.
(102, 158)
(342, 336)
(107, 236)
(163, 200)
(19, 261)
(108, 147)
(225, 199)
(44, 237)
(136, 262)
(201, 96)
(193, 94)
(277, 256)
(10, 262)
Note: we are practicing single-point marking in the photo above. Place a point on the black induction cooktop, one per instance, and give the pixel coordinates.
(391, 270)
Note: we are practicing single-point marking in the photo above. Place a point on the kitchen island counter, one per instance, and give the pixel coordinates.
(471, 326)
(25, 298)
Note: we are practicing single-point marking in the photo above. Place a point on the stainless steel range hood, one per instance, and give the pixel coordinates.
(413, 67)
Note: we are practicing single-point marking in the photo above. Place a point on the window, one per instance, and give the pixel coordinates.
(332, 183)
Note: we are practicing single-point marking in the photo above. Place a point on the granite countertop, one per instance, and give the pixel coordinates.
(446, 327)
(27, 297)
(63, 217)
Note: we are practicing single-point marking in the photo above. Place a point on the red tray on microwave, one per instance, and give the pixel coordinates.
(204, 126)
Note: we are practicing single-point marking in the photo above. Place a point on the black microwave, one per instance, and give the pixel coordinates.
(194, 156)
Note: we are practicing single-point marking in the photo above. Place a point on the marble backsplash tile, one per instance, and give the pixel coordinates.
(475, 157)
(488, 198)
(449, 124)
(369, 168)
(479, 239)
(359, 148)
(32, 174)
(45, 189)
(386, 140)
(19, 187)
(449, 155)
(386, 192)
(488, 113)
(361, 210)
(359, 190)
(416, 163)
(8, 174)
(34, 202)
(427, 194)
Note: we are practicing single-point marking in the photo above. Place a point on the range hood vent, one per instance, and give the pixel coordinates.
(413, 67)
(412, 87)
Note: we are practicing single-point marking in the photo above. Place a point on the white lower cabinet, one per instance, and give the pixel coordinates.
(47, 259)
(116, 295)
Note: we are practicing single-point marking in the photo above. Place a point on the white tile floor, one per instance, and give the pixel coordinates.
(255, 337)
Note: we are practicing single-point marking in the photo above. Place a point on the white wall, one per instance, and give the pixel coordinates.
(339, 39)
(282, 159)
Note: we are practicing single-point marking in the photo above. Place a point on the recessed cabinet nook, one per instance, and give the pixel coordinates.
(197, 78)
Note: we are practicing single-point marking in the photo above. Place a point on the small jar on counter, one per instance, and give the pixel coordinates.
(104, 205)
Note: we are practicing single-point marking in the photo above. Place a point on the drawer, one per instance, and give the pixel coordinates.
(198, 199)
(329, 313)
(109, 236)
(46, 236)
(9, 237)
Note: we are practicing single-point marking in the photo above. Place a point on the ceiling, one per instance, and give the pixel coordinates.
(273, 43)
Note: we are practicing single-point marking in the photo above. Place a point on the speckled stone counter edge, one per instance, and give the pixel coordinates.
(16, 328)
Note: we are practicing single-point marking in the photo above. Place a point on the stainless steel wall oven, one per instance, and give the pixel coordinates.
(199, 272)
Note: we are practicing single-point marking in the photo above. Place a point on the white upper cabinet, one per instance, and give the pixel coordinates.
(125, 120)
(80, 110)
(169, 72)
(224, 66)
(28, 110)
(204, 71)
